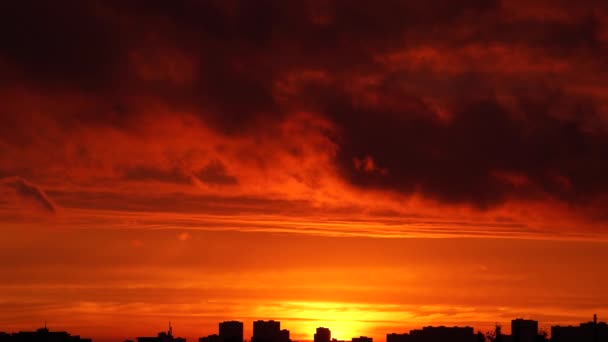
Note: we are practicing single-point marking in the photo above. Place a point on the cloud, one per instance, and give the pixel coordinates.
(74, 45)
(145, 173)
(29, 191)
(215, 173)
(325, 103)
(457, 161)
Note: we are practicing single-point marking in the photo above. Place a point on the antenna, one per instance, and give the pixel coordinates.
(170, 329)
(595, 319)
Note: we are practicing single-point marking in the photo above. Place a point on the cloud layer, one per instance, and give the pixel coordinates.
(469, 105)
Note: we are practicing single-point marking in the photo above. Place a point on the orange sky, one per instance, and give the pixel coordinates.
(369, 168)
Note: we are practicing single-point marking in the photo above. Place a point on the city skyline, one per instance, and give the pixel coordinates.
(361, 164)
(521, 330)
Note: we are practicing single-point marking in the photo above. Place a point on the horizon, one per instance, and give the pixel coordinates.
(506, 329)
(361, 164)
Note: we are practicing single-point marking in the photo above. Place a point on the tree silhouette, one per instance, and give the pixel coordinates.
(542, 336)
(496, 335)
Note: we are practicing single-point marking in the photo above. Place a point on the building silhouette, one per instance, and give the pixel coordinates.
(586, 332)
(266, 331)
(42, 335)
(162, 337)
(269, 331)
(393, 337)
(210, 338)
(322, 335)
(524, 330)
(436, 334)
(362, 339)
(284, 336)
(231, 331)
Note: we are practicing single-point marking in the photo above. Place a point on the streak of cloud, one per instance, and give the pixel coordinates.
(29, 191)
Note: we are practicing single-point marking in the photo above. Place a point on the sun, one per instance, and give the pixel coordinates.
(345, 321)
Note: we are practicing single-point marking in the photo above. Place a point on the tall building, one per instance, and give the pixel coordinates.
(231, 331)
(524, 330)
(267, 331)
(322, 335)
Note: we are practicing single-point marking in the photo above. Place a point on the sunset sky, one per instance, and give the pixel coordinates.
(368, 166)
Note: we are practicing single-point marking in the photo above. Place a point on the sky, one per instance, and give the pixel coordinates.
(370, 167)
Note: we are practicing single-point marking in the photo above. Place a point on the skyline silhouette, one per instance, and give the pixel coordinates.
(522, 330)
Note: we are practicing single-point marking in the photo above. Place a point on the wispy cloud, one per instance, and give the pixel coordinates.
(29, 191)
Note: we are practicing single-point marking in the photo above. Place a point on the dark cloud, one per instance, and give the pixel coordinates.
(65, 44)
(29, 191)
(457, 161)
(215, 173)
(508, 134)
(145, 173)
